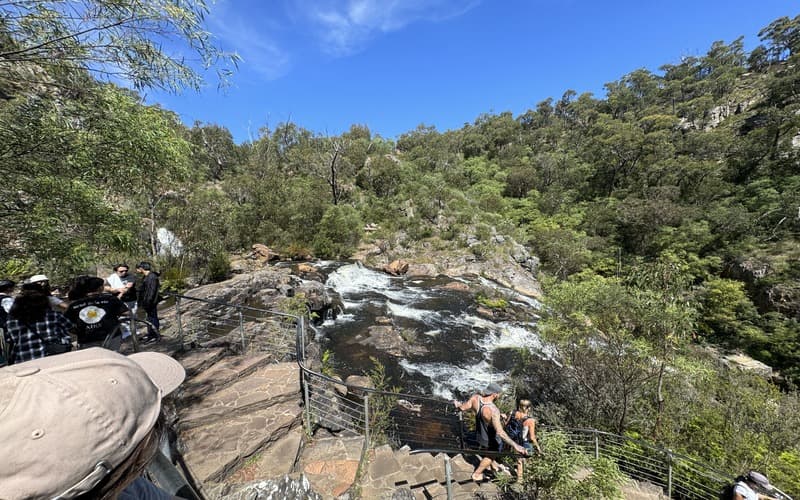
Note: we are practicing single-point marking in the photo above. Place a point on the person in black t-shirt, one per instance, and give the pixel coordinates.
(96, 316)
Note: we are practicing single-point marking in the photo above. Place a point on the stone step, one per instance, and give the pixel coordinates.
(197, 360)
(330, 463)
(214, 450)
(220, 375)
(267, 386)
(273, 461)
(421, 469)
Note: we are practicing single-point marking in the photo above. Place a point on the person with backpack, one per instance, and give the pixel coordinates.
(521, 427)
(489, 427)
(96, 314)
(34, 330)
(747, 487)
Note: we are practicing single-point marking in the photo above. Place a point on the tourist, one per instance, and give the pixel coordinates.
(521, 427)
(96, 315)
(6, 299)
(747, 486)
(34, 330)
(148, 300)
(85, 424)
(489, 428)
(123, 284)
(41, 283)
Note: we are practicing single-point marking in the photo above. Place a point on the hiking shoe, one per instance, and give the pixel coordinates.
(150, 339)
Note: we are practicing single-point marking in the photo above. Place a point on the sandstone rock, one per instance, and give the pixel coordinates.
(383, 320)
(261, 252)
(422, 270)
(359, 381)
(396, 267)
(284, 488)
(389, 340)
(457, 285)
(340, 388)
(306, 268)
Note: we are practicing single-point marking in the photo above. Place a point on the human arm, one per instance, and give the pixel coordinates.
(531, 425)
(497, 423)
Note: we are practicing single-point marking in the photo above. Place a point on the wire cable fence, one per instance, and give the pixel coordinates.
(420, 422)
(680, 476)
(207, 323)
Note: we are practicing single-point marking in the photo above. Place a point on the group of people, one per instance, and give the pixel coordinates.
(36, 323)
(496, 432)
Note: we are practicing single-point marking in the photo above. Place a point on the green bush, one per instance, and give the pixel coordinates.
(218, 267)
(338, 233)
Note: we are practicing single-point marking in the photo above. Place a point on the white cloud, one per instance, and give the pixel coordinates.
(346, 27)
(248, 38)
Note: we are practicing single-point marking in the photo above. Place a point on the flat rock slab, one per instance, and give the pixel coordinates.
(331, 478)
(273, 462)
(197, 360)
(330, 464)
(333, 448)
(213, 451)
(221, 374)
(267, 385)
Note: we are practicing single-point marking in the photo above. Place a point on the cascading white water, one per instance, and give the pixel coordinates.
(460, 344)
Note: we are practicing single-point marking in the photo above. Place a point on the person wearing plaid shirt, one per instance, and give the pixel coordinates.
(31, 324)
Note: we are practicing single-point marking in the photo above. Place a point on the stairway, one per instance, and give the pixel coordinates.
(239, 417)
(421, 476)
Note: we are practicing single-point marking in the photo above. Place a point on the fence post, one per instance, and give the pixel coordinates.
(301, 338)
(178, 319)
(461, 428)
(596, 444)
(304, 380)
(447, 475)
(366, 417)
(669, 473)
(241, 328)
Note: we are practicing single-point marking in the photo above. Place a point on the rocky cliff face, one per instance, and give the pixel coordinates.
(502, 260)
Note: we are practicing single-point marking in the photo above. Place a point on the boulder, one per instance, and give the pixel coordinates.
(262, 252)
(284, 488)
(389, 340)
(359, 381)
(422, 270)
(306, 268)
(396, 267)
(457, 285)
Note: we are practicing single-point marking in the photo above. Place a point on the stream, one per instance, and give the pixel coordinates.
(463, 350)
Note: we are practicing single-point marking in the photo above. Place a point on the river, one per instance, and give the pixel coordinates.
(464, 350)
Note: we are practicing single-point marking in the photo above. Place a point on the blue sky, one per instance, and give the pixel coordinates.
(395, 64)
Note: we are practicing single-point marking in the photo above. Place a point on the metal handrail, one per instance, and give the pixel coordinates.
(679, 475)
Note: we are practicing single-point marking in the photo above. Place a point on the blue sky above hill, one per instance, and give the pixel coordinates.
(395, 64)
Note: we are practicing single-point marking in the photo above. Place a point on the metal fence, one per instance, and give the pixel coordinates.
(680, 476)
(420, 422)
(206, 323)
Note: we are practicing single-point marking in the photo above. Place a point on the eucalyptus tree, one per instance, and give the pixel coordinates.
(122, 40)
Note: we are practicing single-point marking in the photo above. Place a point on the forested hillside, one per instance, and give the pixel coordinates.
(666, 215)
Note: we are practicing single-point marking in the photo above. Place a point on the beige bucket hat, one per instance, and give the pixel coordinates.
(66, 421)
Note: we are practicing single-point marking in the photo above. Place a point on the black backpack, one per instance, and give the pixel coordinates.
(514, 428)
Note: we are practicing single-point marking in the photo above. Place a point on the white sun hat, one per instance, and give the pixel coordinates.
(70, 419)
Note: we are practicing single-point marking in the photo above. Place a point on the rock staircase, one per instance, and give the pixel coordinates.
(401, 474)
(240, 436)
(238, 418)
